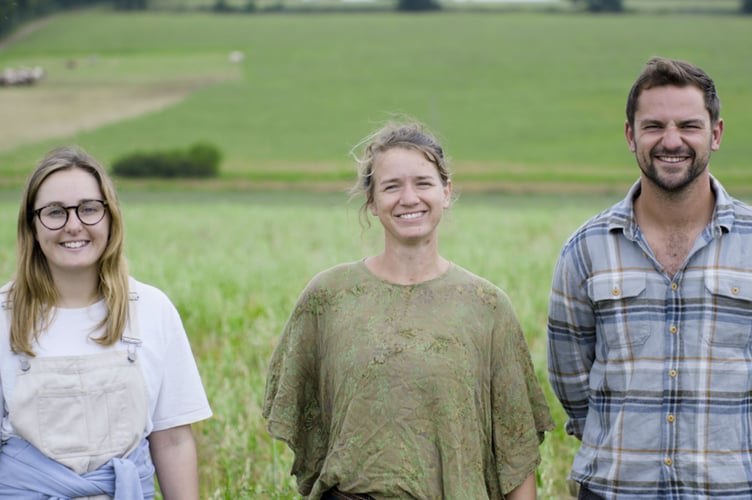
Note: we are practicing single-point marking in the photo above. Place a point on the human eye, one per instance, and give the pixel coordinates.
(90, 207)
(425, 182)
(53, 212)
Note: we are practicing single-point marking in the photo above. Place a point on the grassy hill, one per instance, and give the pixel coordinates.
(523, 100)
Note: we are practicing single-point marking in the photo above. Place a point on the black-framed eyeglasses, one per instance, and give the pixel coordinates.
(55, 216)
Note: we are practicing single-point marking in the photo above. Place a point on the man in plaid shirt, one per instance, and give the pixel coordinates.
(650, 312)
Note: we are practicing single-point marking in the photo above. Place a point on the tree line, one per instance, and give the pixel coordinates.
(618, 5)
(15, 12)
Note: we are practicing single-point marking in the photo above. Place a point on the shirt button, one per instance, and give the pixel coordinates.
(674, 286)
(673, 329)
(670, 419)
(668, 461)
(672, 373)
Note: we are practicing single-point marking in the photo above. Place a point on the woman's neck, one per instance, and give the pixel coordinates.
(407, 266)
(76, 291)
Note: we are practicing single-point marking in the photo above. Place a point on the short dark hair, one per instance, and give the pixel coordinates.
(660, 71)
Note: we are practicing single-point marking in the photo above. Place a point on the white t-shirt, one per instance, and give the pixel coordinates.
(175, 393)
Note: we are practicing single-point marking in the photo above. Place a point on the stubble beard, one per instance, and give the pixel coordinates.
(672, 186)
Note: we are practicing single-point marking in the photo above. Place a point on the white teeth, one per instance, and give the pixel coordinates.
(671, 159)
(74, 244)
(411, 215)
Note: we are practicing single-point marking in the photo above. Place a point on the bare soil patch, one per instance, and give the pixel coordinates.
(32, 114)
(55, 107)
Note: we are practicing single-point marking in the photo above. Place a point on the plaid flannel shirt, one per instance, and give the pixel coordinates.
(655, 372)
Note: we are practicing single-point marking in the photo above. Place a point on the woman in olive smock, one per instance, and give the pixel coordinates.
(404, 375)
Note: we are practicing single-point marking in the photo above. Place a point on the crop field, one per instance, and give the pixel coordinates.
(529, 104)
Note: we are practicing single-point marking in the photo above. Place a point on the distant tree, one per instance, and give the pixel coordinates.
(221, 6)
(13, 13)
(747, 6)
(7, 15)
(130, 4)
(602, 5)
(417, 5)
(37, 8)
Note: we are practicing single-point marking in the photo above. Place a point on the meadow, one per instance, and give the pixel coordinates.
(529, 106)
(234, 266)
(525, 98)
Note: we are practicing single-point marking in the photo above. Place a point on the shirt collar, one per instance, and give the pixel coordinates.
(622, 215)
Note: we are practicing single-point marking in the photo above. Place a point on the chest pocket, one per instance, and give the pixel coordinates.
(731, 323)
(619, 302)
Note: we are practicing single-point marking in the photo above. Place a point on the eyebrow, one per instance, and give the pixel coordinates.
(657, 121)
(62, 204)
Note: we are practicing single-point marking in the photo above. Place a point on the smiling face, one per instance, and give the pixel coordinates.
(75, 247)
(408, 196)
(673, 136)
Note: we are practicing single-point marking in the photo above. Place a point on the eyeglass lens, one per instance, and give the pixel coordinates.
(56, 216)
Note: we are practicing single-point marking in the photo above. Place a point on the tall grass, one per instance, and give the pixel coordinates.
(525, 98)
(517, 96)
(235, 266)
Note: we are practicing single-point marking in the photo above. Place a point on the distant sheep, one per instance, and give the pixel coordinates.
(236, 57)
(21, 76)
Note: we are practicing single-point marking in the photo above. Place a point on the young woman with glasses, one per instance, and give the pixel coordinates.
(403, 375)
(98, 385)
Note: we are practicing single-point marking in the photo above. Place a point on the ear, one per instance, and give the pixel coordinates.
(629, 134)
(447, 194)
(372, 207)
(717, 134)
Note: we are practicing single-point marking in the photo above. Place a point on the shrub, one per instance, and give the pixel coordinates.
(601, 5)
(200, 160)
(417, 5)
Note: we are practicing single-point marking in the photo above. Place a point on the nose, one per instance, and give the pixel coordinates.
(409, 195)
(672, 138)
(73, 221)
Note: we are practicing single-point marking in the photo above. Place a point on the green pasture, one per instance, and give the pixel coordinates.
(531, 98)
(524, 100)
(235, 264)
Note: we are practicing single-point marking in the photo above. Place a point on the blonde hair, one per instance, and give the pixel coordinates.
(33, 295)
(408, 135)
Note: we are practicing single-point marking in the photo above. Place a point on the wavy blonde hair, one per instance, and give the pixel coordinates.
(33, 295)
(408, 134)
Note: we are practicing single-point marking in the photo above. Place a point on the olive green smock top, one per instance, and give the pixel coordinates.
(425, 391)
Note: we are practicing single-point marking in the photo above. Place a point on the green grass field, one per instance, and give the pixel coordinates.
(529, 98)
(524, 101)
(234, 266)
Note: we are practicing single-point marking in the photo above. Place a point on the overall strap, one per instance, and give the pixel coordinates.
(23, 359)
(131, 336)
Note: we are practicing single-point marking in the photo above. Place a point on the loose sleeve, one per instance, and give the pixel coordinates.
(291, 400)
(571, 342)
(520, 413)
